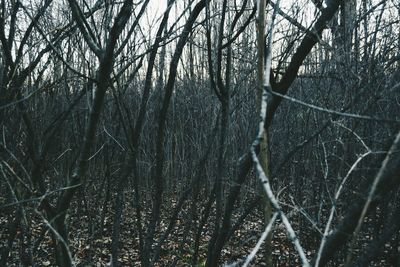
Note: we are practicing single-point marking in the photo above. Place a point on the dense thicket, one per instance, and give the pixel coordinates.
(127, 132)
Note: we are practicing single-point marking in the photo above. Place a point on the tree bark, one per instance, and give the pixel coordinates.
(264, 149)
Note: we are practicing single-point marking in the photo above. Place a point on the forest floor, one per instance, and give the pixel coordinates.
(95, 249)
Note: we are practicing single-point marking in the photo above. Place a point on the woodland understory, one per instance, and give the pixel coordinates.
(199, 133)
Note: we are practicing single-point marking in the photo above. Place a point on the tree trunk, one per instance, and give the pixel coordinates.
(263, 155)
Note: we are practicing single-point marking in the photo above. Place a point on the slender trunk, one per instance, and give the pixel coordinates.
(119, 209)
(158, 171)
(263, 155)
(213, 254)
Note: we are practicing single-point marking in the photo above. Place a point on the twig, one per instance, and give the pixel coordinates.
(62, 154)
(97, 152)
(337, 195)
(355, 134)
(115, 140)
(331, 111)
(16, 176)
(57, 53)
(40, 198)
(371, 195)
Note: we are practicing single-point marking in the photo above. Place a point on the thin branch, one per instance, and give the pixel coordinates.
(274, 202)
(57, 53)
(264, 235)
(337, 195)
(333, 112)
(387, 180)
(355, 134)
(115, 140)
(39, 198)
(97, 152)
(10, 169)
(59, 237)
(371, 195)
